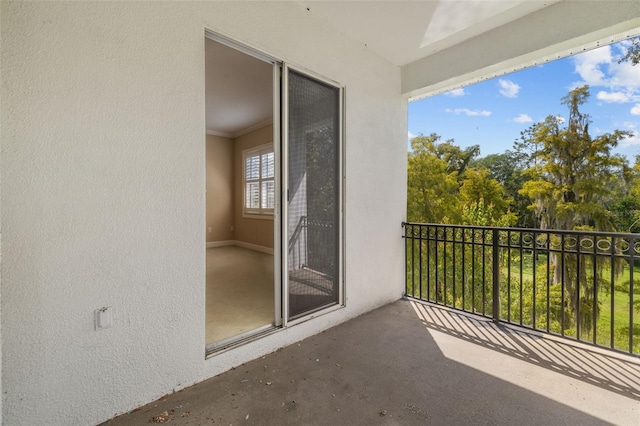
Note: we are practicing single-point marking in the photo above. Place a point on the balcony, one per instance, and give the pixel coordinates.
(415, 363)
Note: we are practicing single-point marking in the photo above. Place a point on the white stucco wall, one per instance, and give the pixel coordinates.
(103, 203)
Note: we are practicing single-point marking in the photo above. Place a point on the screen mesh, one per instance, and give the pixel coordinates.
(313, 199)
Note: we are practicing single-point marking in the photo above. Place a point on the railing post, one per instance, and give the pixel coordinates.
(632, 287)
(406, 268)
(496, 276)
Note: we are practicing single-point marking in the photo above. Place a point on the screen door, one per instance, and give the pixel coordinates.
(313, 148)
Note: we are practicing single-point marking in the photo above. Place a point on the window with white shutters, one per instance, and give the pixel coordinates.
(259, 180)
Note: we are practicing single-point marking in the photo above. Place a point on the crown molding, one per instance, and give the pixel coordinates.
(253, 128)
(221, 134)
(242, 132)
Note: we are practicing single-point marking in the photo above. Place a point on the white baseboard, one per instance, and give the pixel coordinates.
(255, 247)
(213, 244)
(249, 246)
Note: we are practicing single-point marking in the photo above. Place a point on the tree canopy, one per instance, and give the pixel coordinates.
(572, 173)
(432, 185)
(444, 188)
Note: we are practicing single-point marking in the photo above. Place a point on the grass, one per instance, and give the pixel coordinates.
(620, 322)
(620, 312)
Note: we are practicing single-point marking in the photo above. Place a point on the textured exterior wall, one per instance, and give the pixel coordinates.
(103, 195)
(247, 229)
(219, 174)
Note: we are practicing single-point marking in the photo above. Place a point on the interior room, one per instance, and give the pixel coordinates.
(240, 195)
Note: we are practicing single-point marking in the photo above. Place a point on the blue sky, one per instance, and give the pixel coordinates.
(494, 112)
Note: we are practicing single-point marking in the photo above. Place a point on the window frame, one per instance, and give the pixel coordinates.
(260, 212)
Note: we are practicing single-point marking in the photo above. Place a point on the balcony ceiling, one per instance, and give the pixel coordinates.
(405, 31)
(445, 44)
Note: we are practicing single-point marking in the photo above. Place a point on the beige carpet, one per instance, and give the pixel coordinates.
(240, 295)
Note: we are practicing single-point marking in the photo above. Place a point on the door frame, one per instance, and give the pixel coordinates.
(280, 144)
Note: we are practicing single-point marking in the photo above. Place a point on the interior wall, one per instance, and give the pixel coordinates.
(220, 188)
(251, 230)
(103, 194)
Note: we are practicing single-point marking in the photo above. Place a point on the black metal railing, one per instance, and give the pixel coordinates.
(312, 245)
(311, 266)
(578, 284)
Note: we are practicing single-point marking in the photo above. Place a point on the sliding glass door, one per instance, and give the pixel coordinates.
(291, 178)
(313, 139)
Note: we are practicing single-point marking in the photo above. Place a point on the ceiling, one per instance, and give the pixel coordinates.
(239, 90)
(405, 31)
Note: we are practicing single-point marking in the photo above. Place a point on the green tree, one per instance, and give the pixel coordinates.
(432, 187)
(507, 168)
(625, 213)
(572, 175)
(624, 205)
(456, 158)
(634, 186)
(478, 213)
(571, 172)
(478, 186)
(444, 188)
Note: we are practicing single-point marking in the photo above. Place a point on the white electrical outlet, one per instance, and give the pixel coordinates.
(209, 229)
(103, 318)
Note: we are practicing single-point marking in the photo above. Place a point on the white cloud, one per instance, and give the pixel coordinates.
(560, 119)
(469, 112)
(600, 68)
(588, 65)
(624, 75)
(635, 110)
(411, 135)
(614, 97)
(456, 92)
(508, 88)
(523, 118)
(632, 140)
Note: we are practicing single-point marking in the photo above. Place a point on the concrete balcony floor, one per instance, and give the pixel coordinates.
(409, 363)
